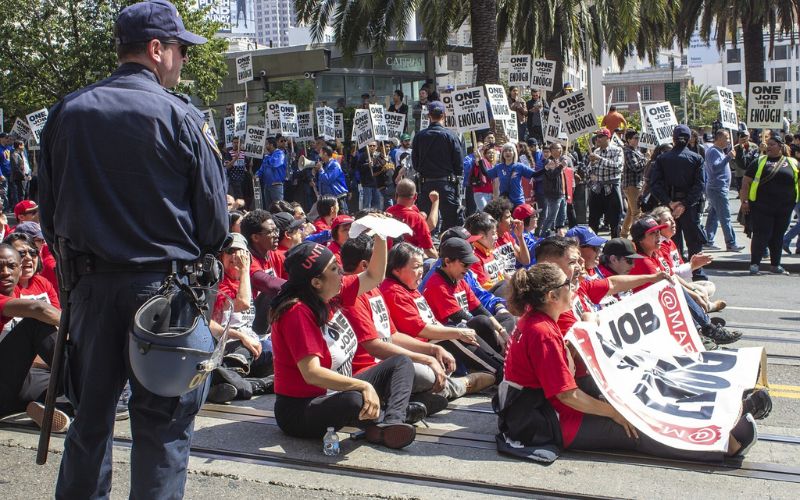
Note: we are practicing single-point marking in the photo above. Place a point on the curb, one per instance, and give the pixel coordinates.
(735, 265)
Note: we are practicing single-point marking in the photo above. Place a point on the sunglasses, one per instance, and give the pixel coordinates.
(183, 48)
(30, 252)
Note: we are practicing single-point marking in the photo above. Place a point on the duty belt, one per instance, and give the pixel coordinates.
(92, 264)
(449, 178)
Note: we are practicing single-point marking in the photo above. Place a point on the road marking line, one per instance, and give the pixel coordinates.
(789, 311)
(793, 388)
(788, 395)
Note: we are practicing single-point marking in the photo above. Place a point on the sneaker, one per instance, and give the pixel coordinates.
(393, 436)
(778, 270)
(720, 334)
(746, 432)
(478, 381)
(718, 321)
(222, 393)
(753, 269)
(434, 403)
(757, 403)
(259, 386)
(61, 420)
(415, 412)
(734, 248)
(708, 344)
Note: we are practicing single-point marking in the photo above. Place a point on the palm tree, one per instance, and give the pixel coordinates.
(699, 100)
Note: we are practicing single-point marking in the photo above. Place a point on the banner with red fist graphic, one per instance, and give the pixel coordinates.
(648, 360)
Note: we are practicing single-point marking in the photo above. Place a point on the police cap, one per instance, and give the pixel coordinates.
(145, 21)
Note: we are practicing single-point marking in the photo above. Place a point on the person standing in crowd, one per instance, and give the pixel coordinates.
(517, 105)
(632, 179)
(718, 178)
(436, 154)
(614, 120)
(20, 171)
(794, 232)
(6, 147)
(330, 178)
(745, 151)
(476, 176)
(676, 179)
(769, 192)
(696, 145)
(417, 111)
(398, 106)
(535, 108)
(605, 169)
(370, 164)
(554, 189)
(272, 173)
(235, 169)
(129, 130)
(509, 173)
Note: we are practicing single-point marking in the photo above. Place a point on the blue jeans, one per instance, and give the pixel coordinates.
(371, 198)
(271, 194)
(481, 200)
(719, 212)
(794, 231)
(555, 214)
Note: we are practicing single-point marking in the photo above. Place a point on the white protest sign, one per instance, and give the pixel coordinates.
(765, 105)
(288, 114)
(647, 360)
(254, 142)
(240, 119)
(661, 121)
(305, 126)
(362, 127)
(727, 108)
(36, 121)
(229, 125)
(21, 129)
(208, 116)
(498, 102)
(449, 113)
(244, 69)
(552, 129)
(386, 227)
(508, 128)
(273, 117)
(519, 73)
(576, 114)
(395, 124)
(543, 74)
(378, 117)
(424, 118)
(325, 123)
(470, 109)
(338, 125)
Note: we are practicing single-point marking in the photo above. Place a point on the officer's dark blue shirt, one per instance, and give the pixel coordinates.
(436, 152)
(129, 173)
(678, 175)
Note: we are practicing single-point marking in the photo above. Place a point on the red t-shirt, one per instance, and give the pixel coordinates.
(650, 265)
(295, 336)
(48, 266)
(408, 309)
(537, 357)
(421, 237)
(272, 264)
(370, 319)
(669, 250)
(589, 293)
(38, 289)
(446, 298)
(321, 225)
(488, 270)
(504, 252)
(337, 251)
(3, 318)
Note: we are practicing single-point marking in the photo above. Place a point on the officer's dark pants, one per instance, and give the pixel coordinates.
(449, 203)
(609, 207)
(688, 225)
(17, 351)
(97, 366)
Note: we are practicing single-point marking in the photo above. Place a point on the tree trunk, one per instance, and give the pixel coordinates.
(553, 52)
(485, 54)
(754, 60)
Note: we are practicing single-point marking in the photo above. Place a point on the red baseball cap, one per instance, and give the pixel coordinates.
(25, 207)
(341, 219)
(523, 211)
(604, 131)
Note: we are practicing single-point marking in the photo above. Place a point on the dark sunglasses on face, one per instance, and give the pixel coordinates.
(30, 251)
(183, 48)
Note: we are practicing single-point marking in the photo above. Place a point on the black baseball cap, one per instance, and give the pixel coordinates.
(644, 226)
(157, 19)
(286, 221)
(458, 249)
(458, 232)
(621, 247)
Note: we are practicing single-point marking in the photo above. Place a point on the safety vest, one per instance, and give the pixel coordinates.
(763, 161)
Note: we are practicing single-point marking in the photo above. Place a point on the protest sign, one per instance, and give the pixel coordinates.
(229, 124)
(543, 74)
(498, 102)
(273, 117)
(470, 110)
(36, 121)
(240, 119)
(254, 142)
(520, 72)
(765, 105)
(244, 69)
(289, 125)
(449, 113)
(338, 125)
(727, 108)
(552, 129)
(208, 116)
(379, 126)
(21, 129)
(507, 128)
(395, 124)
(362, 128)
(576, 114)
(305, 126)
(424, 118)
(648, 361)
(661, 121)
(325, 123)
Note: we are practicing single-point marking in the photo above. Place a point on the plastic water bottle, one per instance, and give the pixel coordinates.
(330, 443)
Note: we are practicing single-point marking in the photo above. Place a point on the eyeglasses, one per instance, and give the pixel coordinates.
(183, 48)
(629, 260)
(567, 282)
(268, 231)
(30, 251)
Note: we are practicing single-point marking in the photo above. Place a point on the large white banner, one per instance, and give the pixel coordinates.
(395, 124)
(305, 126)
(543, 74)
(727, 109)
(325, 123)
(240, 119)
(661, 121)
(520, 72)
(647, 359)
(36, 121)
(362, 128)
(449, 113)
(471, 111)
(289, 126)
(765, 105)
(576, 114)
(244, 69)
(254, 142)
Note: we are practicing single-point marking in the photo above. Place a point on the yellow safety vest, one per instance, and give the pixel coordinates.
(763, 161)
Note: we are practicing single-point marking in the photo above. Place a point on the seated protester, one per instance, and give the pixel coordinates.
(313, 349)
(617, 258)
(31, 285)
(488, 270)
(590, 245)
(545, 395)
(279, 206)
(378, 339)
(290, 231)
(328, 209)
(340, 232)
(509, 173)
(413, 315)
(646, 235)
(47, 259)
(406, 211)
(20, 343)
(701, 290)
(246, 353)
(267, 274)
(235, 221)
(530, 219)
(506, 248)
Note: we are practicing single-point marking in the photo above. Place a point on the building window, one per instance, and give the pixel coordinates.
(781, 52)
(797, 97)
(781, 75)
(798, 115)
(734, 55)
(646, 92)
(685, 60)
(788, 95)
(619, 94)
(797, 73)
(734, 77)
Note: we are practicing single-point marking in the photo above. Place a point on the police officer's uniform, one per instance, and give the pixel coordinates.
(678, 175)
(133, 182)
(437, 156)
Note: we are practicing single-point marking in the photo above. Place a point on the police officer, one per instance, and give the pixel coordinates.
(133, 189)
(677, 180)
(437, 156)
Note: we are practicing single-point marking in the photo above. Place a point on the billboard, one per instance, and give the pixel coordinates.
(236, 16)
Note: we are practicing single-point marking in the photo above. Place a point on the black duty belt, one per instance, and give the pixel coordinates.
(92, 264)
(449, 178)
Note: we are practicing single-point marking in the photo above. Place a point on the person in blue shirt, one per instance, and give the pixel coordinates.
(530, 219)
(6, 147)
(510, 173)
(330, 178)
(272, 173)
(718, 178)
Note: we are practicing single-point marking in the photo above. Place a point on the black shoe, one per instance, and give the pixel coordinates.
(718, 321)
(708, 344)
(720, 334)
(757, 403)
(434, 403)
(415, 412)
(222, 393)
(260, 386)
(394, 436)
(746, 432)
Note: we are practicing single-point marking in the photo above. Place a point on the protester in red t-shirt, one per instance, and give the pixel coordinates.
(31, 285)
(340, 233)
(327, 209)
(506, 248)
(290, 231)
(313, 348)
(406, 211)
(488, 270)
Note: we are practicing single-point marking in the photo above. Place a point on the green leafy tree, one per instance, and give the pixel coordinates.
(298, 92)
(701, 105)
(53, 48)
